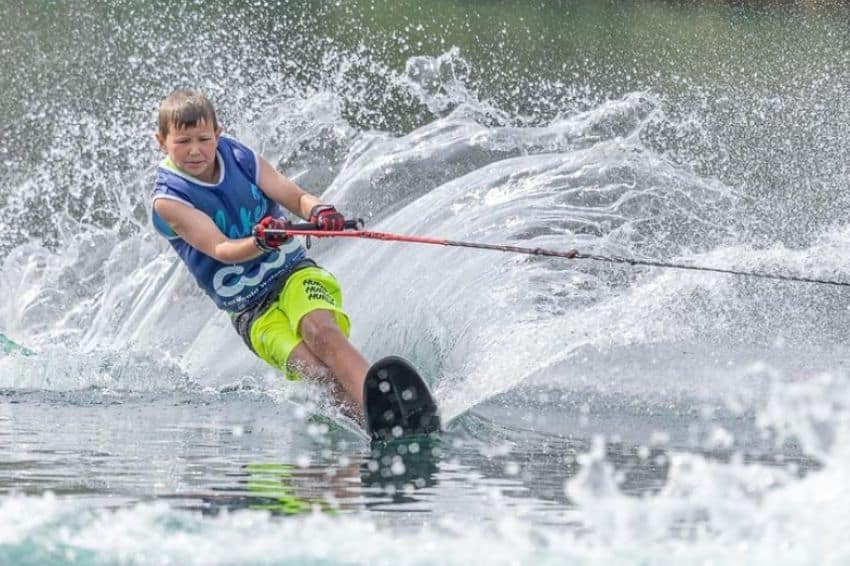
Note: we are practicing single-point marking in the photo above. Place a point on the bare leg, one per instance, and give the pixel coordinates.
(326, 342)
(305, 363)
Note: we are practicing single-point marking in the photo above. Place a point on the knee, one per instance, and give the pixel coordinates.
(319, 331)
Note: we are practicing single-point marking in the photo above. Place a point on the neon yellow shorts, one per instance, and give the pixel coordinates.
(276, 332)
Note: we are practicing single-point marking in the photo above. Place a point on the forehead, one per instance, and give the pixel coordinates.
(199, 128)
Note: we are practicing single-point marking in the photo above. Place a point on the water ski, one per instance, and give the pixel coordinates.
(397, 401)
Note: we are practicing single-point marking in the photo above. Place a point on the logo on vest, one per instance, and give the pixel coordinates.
(240, 283)
(247, 217)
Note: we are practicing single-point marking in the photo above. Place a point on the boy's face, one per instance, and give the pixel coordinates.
(192, 149)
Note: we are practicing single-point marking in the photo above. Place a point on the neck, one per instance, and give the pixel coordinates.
(212, 176)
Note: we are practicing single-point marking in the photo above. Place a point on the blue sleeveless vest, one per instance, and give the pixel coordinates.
(235, 204)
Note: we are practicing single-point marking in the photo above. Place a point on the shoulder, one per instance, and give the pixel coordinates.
(229, 142)
(168, 189)
(246, 158)
(161, 210)
(163, 227)
(168, 184)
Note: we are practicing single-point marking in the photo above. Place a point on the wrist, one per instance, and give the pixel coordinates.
(306, 202)
(262, 246)
(260, 240)
(319, 207)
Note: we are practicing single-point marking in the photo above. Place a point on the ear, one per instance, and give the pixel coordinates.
(160, 139)
(218, 133)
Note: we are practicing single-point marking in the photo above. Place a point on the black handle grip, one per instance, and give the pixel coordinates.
(355, 224)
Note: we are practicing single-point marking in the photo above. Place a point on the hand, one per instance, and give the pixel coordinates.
(270, 242)
(326, 217)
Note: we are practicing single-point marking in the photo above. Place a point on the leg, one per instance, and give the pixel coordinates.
(326, 342)
(303, 362)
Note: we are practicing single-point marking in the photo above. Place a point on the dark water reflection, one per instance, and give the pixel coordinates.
(230, 453)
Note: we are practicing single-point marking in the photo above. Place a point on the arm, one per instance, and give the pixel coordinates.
(280, 189)
(200, 232)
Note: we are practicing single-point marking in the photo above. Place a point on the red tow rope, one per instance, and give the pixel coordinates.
(570, 254)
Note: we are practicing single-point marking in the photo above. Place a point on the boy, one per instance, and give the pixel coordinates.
(214, 199)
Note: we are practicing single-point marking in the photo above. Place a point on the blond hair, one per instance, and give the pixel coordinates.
(184, 109)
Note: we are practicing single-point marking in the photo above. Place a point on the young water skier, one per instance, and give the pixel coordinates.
(214, 200)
